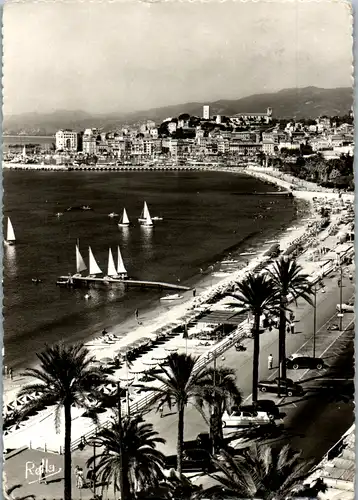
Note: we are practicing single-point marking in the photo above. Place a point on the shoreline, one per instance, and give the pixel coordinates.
(157, 315)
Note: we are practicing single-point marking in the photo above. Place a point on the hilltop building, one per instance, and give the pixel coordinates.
(266, 117)
(206, 112)
(66, 140)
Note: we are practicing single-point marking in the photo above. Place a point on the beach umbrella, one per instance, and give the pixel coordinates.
(160, 356)
(150, 362)
(138, 368)
(171, 349)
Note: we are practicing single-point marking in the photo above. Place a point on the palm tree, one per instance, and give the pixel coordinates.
(259, 472)
(67, 375)
(257, 295)
(180, 383)
(225, 395)
(141, 462)
(287, 278)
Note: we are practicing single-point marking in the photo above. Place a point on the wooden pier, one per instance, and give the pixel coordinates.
(88, 282)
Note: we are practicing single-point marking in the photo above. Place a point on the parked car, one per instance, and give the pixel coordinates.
(297, 361)
(345, 308)
(194, 460)
(246, 418)
(287, 386)
(266, 405)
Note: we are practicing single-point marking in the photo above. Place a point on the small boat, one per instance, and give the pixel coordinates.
(124, 222)
(59, 214)
(81, 207)
(174, 296)
(157, 218)
(36, 281)
(87, 296)
(121, 270)
(10, 234)
(112, 214)
(145, 218)
(111, 271)
(85, 207)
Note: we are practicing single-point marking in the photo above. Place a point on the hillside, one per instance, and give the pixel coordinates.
(309, 102)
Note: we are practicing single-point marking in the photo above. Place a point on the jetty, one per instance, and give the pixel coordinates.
(90, 282)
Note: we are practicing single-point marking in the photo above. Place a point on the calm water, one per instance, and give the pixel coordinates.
(205, 215)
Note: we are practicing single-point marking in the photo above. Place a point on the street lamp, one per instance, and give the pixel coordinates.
(90, 442)
(314, 319)
(340, 315)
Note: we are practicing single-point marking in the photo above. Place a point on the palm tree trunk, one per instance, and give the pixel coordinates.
(256, 357)
(67, 464)
(180, 437)
(282, 341)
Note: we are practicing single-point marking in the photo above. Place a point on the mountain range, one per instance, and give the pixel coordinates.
(308, 102)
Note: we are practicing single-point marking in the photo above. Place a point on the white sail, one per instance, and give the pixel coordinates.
(93, 266)
(111, 267)
(120, 265)
(10, 236)
(80, 263)
(145, 211)
(146, 215)
(125, 219)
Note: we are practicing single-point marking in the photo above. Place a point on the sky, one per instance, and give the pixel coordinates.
(126, 56)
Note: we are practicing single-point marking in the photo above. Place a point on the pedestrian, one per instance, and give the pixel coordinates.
(292, 316)
(80, 478)
(292, 326)
(42, 472)
(194, 292)
(270, 362)
(161, 411)
(136, 314)
(351, 277)
(6, 370)
(77, 476)
(10, 373)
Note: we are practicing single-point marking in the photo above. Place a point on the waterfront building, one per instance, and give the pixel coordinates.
(89, 141)
(268, 147)
(66, 140)
(206, 112)
(218, 119)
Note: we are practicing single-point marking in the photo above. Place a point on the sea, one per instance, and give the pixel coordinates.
(207, 217)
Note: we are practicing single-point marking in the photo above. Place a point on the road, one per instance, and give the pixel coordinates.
(241, 362)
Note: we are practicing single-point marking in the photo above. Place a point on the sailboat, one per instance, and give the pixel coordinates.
(80, 263)
(121, 270)
(145, 218)
(112, 271)
(10, 234)
(124, 222)
(93, 266)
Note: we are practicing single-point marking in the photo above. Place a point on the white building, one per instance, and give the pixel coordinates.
(66, 140)
(89, 144)
(206, 112)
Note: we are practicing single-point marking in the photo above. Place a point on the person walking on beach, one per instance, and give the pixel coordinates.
(136, 314)
(10, 373)
(270, 362)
